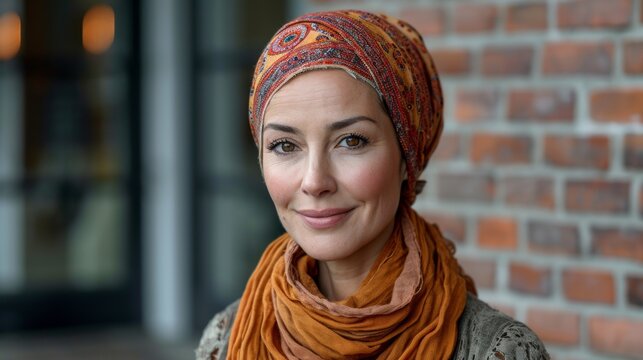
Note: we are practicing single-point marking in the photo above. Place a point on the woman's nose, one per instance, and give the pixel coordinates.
(318, 179)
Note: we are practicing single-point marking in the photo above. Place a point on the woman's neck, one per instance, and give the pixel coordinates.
(339, 279)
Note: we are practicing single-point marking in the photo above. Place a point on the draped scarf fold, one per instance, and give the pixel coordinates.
(407, 307)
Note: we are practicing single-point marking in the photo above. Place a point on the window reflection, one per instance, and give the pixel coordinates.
(98, 29)
(66, 193)
(75, 133)
(10, 35)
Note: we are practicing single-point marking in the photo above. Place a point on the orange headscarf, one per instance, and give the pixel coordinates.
(407, 307)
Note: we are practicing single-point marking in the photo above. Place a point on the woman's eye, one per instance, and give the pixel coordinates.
(286, 147)
(352, 142)
(282, 147)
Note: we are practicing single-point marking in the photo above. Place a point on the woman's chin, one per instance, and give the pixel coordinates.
(320, 250)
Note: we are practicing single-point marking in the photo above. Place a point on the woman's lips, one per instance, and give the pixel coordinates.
(325, 218)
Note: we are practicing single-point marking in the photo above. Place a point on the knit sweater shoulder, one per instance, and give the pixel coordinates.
(483, 333)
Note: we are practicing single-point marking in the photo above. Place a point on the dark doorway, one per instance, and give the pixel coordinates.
(70, 178)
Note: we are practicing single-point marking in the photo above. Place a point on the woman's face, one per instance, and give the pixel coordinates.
(332, 164)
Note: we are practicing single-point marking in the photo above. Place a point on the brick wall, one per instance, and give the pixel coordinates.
(538, 177)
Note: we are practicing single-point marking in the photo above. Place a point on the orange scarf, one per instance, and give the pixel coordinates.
(407, 306)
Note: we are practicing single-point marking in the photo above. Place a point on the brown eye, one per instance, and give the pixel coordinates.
(287, 147)
(282, 147)
(352, 141)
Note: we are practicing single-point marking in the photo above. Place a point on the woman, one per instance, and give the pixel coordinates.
(346, 109)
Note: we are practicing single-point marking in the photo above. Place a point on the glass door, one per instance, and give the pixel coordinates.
(69, 160)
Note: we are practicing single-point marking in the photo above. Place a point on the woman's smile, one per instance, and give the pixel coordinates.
(325, 218)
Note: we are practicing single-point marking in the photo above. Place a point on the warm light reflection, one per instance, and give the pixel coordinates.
(9, 35)
(98, 29)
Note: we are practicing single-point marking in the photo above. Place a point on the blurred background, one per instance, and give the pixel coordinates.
(132, 208)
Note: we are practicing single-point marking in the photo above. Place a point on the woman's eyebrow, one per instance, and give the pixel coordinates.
(350, 121)
(283, 128)
(333, 127)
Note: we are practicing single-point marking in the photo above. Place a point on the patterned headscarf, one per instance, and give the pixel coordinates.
(386, 53)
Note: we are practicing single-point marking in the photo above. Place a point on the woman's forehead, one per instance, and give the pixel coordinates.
(323, 93)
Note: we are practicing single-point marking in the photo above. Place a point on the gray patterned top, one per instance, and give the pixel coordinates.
(483, 333)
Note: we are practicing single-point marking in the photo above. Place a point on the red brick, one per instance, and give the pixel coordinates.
(498, 233)
(448, 149)
(594, 14)
(475, 18)
(452, 61)
(553, 238)
(528, 279)
(482, 271)
(474, 105)
(526, 17)
(618, 336)
(626, 243)
(550, 105)
(633, 62)
(500, 149)
(588, 285)
(578, 58)
(556, 327)
(634, 152)
(466, 187)
(579, 152)
(453, 227)
(617, 105)
(598, 196)
(529, 191)
(507, 60)
(426, 20)
(635, 290)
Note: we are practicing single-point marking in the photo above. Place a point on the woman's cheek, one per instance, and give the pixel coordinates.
(374, 177)
(280, 184)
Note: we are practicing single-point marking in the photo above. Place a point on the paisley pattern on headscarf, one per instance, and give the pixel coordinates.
(387, 53)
